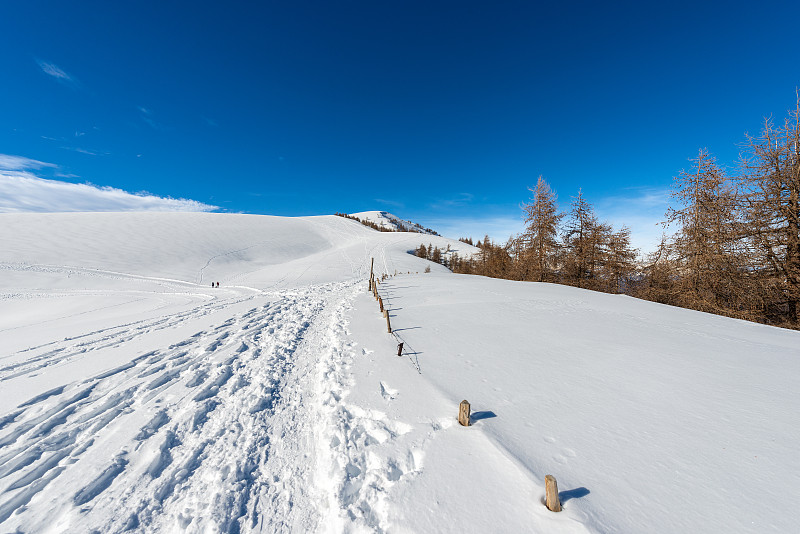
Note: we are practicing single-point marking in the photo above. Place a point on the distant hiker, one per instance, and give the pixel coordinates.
(217, 284)
(212, 284)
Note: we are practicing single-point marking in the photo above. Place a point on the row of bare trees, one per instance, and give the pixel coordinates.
(735, 249)
(582, 251)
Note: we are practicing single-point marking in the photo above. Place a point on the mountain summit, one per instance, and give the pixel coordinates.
(384, 219)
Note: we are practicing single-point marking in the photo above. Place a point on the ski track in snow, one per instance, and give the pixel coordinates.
(213, 433)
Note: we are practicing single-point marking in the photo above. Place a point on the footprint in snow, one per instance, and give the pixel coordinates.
(388, 393)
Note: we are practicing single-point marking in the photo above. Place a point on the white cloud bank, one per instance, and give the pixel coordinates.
(22, 191)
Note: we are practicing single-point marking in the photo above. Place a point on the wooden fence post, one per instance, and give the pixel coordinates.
(551, 489)
(388, 324)
(400, 349)
(380, 303)
(463, 413)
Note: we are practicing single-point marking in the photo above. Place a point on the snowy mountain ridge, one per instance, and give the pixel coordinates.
(385, 219)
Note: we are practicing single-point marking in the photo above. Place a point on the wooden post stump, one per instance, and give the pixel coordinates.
(400, 349)
(552, 502)
(463, 413)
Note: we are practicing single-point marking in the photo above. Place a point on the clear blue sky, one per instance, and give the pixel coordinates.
(440, 112)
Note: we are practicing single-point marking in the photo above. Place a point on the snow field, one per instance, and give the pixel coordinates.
(154, 403)
(652, 418)
(435, 474)
(134, 398)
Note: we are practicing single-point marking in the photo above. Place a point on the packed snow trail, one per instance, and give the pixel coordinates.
(211, 433)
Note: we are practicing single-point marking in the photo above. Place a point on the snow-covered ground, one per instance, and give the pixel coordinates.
(136, 397)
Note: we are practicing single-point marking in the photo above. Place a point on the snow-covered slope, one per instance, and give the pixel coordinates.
(134, 397)
(387, 220)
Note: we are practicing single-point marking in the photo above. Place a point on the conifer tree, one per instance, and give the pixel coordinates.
(577, 241)
(436, 256)
(771, 202)
(539, 241)
(705, 245)
(620, 260)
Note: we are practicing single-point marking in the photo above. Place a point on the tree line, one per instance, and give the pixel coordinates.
(735, 249)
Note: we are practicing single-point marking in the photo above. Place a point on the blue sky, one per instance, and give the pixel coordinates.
(440, 112)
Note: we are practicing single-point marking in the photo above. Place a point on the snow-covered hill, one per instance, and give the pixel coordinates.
(386, 220)
(136, 397)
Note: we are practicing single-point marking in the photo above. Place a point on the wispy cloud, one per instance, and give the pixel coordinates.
(458, 200)
(22, 191)
(51, 69)
(147, 116)
(391, 203)
(84, 151)
(21, 163)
